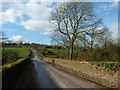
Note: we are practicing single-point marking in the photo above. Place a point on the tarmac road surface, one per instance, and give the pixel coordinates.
(39, 74)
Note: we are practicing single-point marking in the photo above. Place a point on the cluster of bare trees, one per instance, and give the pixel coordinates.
(76, 24)
(6, 41)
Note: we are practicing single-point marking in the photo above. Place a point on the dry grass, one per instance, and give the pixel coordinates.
(86, 70)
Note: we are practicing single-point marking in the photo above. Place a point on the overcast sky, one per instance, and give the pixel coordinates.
(29, 21)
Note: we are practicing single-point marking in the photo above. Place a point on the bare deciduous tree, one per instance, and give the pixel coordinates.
(105, 38)
(73, 19)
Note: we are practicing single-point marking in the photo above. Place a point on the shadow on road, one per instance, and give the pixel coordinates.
(28, 74)
(35, 75)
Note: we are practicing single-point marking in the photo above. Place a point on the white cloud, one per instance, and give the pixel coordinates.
(37, 11)
(3, 18)
(109, 7)
(17, 38)
(114, 30)
(46, 33)
(36, 25)
(10, 15)
(42, 0)
(39, 14)
(115, 4)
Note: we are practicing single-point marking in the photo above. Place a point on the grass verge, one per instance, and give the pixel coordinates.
(88, 71)
(11, 64)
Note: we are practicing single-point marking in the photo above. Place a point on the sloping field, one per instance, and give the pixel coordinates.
(22, 51)
(11, 54)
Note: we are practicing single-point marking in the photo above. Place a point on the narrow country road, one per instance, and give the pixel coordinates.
(39, 74)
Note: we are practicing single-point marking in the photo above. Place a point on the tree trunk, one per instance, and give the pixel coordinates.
(71, 51)
(92, 42)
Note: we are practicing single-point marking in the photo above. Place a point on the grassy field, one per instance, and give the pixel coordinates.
(12, 54)
(56, 53)
(22, 51)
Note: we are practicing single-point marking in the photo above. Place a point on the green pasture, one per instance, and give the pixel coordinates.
(23, 52)
(55, 53)
(11, 54)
